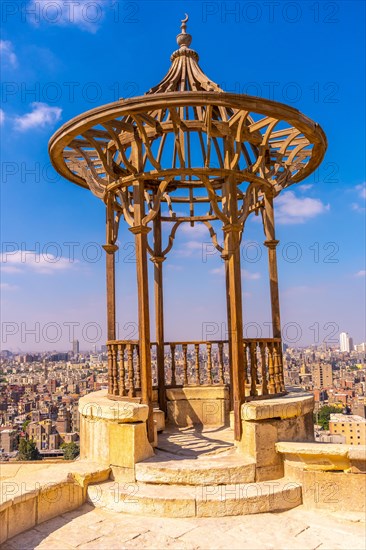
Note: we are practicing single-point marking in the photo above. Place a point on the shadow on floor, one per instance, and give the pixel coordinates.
(34, 537)
(194, 442)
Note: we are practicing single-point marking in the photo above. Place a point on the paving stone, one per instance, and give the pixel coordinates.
(204, 537)
(125, 531)
(152, 541)
(48, 527)
(28, 540)
(171, 527)
(84, 509)
(51, 543)
(75, 535)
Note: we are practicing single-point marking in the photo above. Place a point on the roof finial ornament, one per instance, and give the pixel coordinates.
(184, 23)
(184, 39)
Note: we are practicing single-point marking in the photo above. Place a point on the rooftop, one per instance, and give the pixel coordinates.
(339, 417)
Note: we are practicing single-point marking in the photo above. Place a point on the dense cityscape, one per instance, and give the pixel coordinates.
(40, 393)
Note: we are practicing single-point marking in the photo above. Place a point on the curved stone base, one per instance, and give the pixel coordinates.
(113, 432)
(196, 501)
(265, 422)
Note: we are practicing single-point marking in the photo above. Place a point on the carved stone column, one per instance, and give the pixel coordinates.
(158, 260)
(271, 244)
(140, 231)
(111, 249)
(273, 282)
(232, 232)
(228, 316)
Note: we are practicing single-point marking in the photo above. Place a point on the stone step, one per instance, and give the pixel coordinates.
(217, 469)
(196, 501)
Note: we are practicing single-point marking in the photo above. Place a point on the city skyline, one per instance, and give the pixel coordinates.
(320, 223)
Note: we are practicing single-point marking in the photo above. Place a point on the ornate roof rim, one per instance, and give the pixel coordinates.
(194, 95)
(261, 106)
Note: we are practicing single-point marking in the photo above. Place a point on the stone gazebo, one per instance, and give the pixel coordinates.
(188, 152)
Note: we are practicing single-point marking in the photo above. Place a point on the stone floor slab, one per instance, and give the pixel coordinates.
(93, 529)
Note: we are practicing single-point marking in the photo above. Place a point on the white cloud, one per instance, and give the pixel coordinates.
(218, 270)
(7, 287)
(361, 273)
(2, 117)
(192, 248)
(7, 54)
(291, 209)
(296, 291)
(198, 229)
(174, 267)
(305, 187)
(83, 14)
(361, 190)
(42, 115)
(248, 275)
(357, 208)
(10, 268)
(252, 276)
(21, 260)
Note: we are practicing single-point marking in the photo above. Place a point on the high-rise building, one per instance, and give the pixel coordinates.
(322, 375)
(360, 347)
(75, 347)
(344, 342)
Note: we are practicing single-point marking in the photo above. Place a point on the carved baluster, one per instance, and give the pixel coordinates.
(173, 382)
(271, 380)
(110, 370)
(131, 388)
(281, 374)
(221, 363)
(138, 372)
(276, 368)
(209, 363)
(253, 369)
(262, 348)
(197, 363)
(245, 357)
(122, 372)
(114, 369)
(257, 360)
(185, 365)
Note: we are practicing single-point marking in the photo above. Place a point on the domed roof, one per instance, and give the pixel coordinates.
(185, 75)
(186, 136)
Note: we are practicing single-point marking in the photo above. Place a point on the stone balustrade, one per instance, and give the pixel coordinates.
(196, 363)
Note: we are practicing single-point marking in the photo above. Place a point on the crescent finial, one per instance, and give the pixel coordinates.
(184, 23)
(184, 39)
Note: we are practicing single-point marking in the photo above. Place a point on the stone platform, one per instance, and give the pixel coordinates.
(196, 457)
(195, 473)
(93, 528)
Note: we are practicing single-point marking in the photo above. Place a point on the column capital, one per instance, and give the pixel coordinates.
(232, 227)
(157, 259)
(110, 248)
(140, 229)
(271, 243)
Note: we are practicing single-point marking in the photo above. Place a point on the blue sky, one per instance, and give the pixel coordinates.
(61, 58)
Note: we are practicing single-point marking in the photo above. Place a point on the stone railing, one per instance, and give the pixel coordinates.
(263, 366)
(123, 368)
(195, 363)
